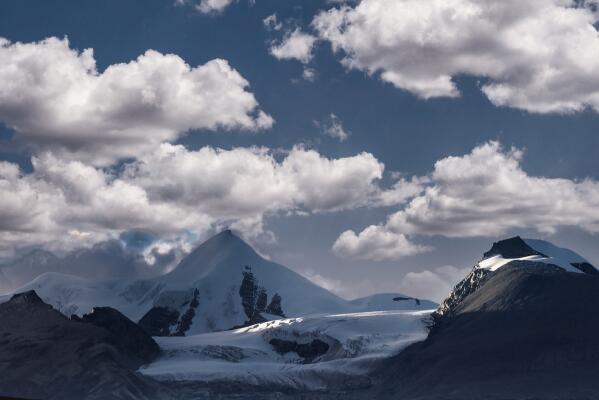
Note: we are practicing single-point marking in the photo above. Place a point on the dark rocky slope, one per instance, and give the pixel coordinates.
(514, 247)
(523, 333)
(45, 355)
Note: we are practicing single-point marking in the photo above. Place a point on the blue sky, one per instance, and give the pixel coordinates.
(406, 129)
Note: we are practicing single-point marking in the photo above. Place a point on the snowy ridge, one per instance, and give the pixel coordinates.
(74, 295)
(543, 252)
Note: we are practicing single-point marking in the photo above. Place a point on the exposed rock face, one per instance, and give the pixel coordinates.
(275, 307)
(308, 351)
(463, 289)
(44, 354)
(172, 319)
(254, 299)
(261, 301)
(187, 317)
(525, 332)
(248, 291)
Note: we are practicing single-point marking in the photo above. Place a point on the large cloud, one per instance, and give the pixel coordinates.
(484, 193)
(54, 98)
(537, 55)
(375, 243)
(246, 181)
(172, 192)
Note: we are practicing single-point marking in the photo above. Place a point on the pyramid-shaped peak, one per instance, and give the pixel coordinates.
(226, 234)
(223, 249)
(224, 238)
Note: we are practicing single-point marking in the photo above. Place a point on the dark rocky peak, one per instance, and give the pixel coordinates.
(513, 247)
(45, 355)
(106, 317)
(132, 339)
(29, 298)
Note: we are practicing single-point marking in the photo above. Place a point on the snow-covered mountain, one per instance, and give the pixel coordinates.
(224, 283)
(220, 285)
(325, 352)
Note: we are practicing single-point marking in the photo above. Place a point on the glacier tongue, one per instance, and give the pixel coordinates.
(354, 343)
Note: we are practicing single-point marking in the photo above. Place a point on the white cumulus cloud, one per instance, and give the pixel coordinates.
(375, 243)
(174, 192)
(539, 55)
(485, 193)
(54, 98)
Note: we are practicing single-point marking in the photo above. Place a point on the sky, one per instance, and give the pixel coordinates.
(371, 146)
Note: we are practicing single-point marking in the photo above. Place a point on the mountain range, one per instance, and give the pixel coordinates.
(223, 283)
(228, 324)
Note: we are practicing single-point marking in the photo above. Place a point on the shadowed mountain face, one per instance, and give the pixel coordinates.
(526, 332)
(45, 355)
